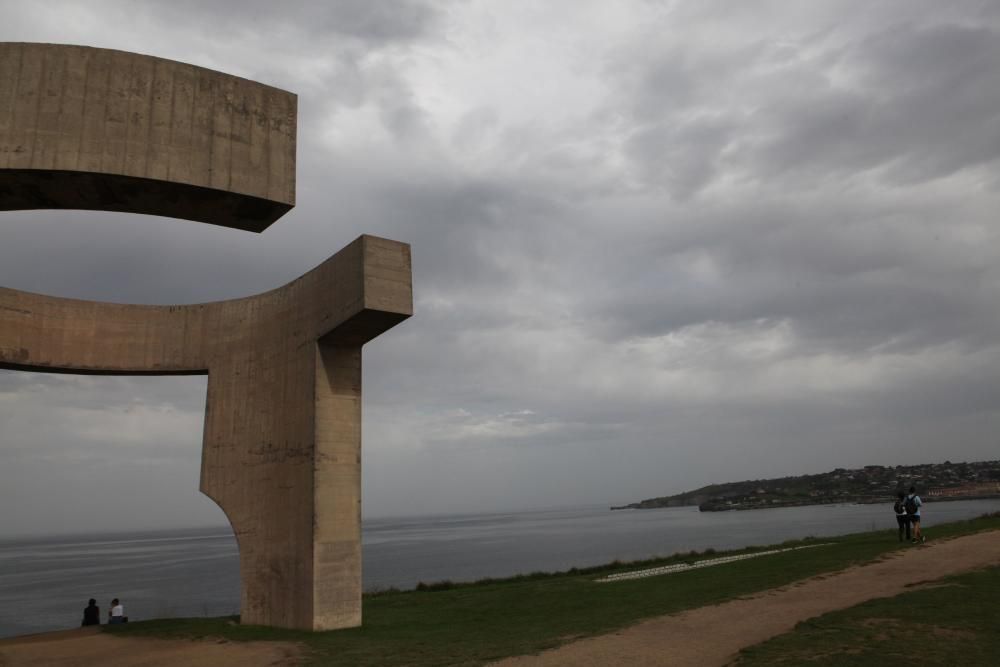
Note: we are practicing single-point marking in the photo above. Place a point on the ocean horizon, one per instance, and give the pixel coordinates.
(45, 581)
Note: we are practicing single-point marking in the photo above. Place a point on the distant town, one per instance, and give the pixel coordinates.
(871, 484)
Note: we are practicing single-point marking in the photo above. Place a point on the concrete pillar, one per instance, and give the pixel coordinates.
(107, 130)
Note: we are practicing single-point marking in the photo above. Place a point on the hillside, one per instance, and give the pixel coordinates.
(934, 481)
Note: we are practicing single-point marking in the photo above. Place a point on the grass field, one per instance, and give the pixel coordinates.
(475, 623)
(957, 623)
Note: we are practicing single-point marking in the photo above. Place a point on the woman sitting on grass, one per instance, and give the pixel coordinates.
(117, 613)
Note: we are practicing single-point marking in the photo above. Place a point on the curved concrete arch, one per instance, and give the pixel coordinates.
(281, 453)
(281, 450)
(351, 297)
(98, 129)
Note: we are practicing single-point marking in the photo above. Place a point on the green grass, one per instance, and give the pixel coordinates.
(468, 624)
(957, 623)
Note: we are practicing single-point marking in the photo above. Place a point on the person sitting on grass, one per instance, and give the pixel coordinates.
(902, 518)
(91, 613)
(117, 613)
(913, 504)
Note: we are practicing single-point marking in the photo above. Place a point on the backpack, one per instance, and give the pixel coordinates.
(911, 504)
(898, 507)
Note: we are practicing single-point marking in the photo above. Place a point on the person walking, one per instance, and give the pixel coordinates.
(913, 505)
(91, 613)
(902, 518)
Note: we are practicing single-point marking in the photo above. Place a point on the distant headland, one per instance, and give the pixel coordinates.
(871, 484)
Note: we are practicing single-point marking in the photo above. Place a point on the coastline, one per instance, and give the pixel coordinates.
(169, 575)
(977, 480)
(861, 500)
(529, 615)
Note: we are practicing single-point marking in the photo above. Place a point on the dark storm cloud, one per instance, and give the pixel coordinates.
(759, 239)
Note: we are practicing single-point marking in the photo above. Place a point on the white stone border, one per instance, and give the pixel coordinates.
(680, 567)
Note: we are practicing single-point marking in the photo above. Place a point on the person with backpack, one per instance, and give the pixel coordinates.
(913, 505)
(902, 518)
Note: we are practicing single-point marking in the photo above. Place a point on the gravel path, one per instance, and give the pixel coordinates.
(713, 635)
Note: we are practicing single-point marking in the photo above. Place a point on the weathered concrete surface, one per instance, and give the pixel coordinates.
(282, 442)
(107, 130)
(86, 128)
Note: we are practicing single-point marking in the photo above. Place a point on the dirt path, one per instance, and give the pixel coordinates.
(713, 635)
(90, 646)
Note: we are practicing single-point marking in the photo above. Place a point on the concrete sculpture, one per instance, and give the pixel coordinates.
(106, 130)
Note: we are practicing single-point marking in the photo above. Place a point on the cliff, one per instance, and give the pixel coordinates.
(934, 481)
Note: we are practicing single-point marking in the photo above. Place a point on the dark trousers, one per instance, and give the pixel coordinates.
(904, 524)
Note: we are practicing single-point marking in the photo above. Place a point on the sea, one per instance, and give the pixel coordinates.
(45, 582)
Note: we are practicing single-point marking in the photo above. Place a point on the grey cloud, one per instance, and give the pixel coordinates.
(916, 100)
(136, 259)
(679, 156)
(590, 290)
(919, 102)
(845, 307)
(69, 443)
(379, 21)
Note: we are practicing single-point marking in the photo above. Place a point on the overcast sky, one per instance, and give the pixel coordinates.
(655, 245)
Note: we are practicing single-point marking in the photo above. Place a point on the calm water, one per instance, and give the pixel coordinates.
(45, 583)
